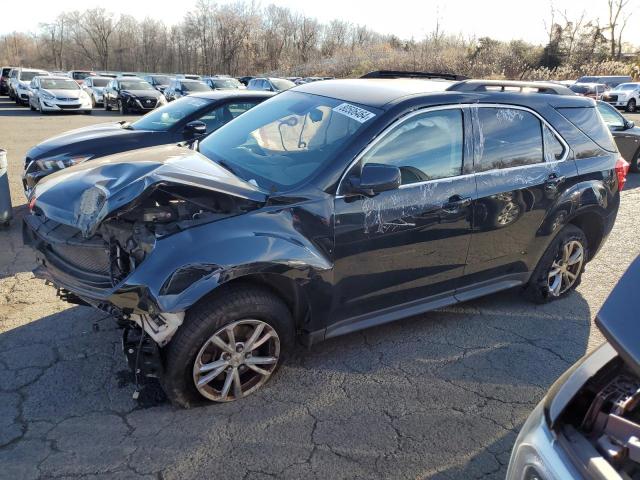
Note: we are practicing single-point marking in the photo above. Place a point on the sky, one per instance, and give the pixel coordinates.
(500, 19)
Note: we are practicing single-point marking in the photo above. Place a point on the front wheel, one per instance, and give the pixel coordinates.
(123, 110)
(635, 163)
(228, 347)
(560, 269)
(631, 106)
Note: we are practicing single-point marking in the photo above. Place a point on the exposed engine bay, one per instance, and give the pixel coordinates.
(132, 231)
(602, 423)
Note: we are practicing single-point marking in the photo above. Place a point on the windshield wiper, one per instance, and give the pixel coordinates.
(126, 125)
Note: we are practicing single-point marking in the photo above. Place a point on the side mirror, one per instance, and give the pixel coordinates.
(629, 125)
(195, 128)
(376, 178)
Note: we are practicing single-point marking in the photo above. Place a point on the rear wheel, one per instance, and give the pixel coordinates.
(228, 347)
(631, 106)
(560, 269)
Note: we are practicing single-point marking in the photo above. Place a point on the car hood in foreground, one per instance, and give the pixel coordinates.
(618, 318)
(85, 194)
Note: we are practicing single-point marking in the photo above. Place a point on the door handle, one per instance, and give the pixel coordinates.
(456, 203)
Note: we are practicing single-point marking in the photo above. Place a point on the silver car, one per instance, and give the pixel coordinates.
(58, 94)
(94, 87)
(588, 425)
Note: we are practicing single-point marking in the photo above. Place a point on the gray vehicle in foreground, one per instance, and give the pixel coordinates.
(588, 425)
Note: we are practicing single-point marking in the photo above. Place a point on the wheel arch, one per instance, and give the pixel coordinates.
(592, 224)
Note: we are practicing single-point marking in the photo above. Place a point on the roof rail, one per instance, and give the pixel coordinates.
(511, 86)
(403, 74)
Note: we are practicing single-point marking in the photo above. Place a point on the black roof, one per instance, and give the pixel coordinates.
(385, 93)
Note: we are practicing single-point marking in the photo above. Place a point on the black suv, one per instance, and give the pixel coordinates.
(333, 207)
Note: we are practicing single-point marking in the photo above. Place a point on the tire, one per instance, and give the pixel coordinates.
(539, 288)
(93, 101)
(31, 107)
(42, 112)
(88, 112)
(123, 110)
(107, 107)
(229, 307)
(631, 106)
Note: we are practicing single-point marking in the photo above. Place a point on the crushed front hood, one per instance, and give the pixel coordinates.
(83, 195)
(618, 317)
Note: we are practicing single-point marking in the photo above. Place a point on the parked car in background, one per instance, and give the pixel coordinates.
(58, 94)
(19, 80)
(270, 84)
(245, 80)
(80, 75)
(216, 257)
(4, 80)
(181, 87)
(625, 133)
(188, 76)
(222, 83)
(588, 424)
(591, 90)
(183, 120)
(127, 74)
(94, 87)
(159, 82)
(106, 74)
(609, 80)
(128, 94)
(625, 95)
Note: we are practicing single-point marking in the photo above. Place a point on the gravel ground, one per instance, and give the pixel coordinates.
(441, 395)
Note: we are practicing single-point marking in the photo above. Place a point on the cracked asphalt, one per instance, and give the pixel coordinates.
(441, 395)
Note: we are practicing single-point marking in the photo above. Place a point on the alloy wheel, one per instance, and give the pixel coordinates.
(508, 214)
(566, 268)
(237, 360)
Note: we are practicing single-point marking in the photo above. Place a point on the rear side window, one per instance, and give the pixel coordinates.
(508, 137)
(425, 147)
(589, 121)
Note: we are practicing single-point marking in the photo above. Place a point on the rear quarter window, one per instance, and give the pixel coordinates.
(589, 121)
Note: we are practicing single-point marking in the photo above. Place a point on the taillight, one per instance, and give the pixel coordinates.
(622, 168)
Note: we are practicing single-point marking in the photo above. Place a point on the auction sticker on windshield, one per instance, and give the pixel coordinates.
(356, 113)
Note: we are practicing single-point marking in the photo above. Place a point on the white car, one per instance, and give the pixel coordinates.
(94, 87)
(19, 83)
(625, 95)
(58, 94)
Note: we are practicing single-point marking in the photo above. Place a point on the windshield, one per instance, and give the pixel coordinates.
(282, 84)
(135, 85)
(579, 88)
(195, 87)
(283, 141)
(81, 75)
(28, 76)
(164, 118)
(225, 83)
(58, 84)
(161, 79)
(100, 82)
(627, 86)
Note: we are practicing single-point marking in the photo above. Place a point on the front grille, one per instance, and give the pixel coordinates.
(610, 98)
(66, 248)
(66, 99)
(68, 107)
(148, 102)
(94, 260)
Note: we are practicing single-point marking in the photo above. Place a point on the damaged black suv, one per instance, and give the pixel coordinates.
(332, 207)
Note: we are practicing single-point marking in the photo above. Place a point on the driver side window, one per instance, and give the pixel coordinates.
(424, 147)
